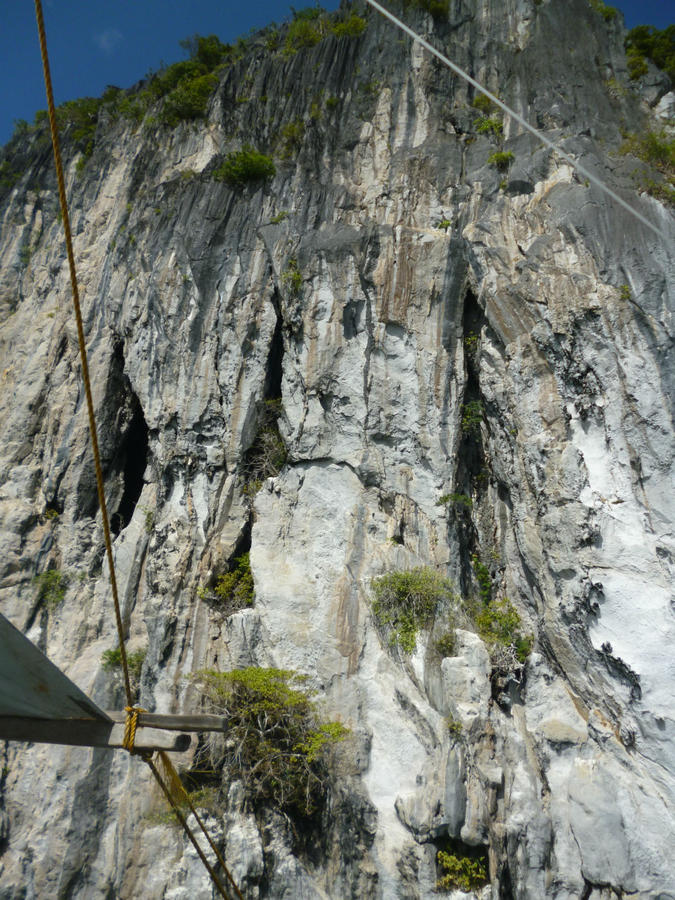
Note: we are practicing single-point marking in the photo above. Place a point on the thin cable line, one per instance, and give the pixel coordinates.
(80, 338)
(455, 68)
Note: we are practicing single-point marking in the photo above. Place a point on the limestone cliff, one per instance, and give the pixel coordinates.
(513, 364)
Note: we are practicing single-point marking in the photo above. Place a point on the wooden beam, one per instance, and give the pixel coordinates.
(87, 733)
(175, 723)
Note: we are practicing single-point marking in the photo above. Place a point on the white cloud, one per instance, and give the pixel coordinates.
(107, 40)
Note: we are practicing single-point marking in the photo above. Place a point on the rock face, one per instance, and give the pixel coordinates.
(540, 307)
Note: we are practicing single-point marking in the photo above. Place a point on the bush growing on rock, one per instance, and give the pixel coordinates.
(244, 166)
(277, 744)
(501, 160)
(405, 602)
(463, 872)
(235, 589)
(52, 586)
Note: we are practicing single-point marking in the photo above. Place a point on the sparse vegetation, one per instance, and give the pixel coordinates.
(498, 624)
(445, 645)
(52, 586)
(444, 224)
(235, 589)
(291, 277)
(471, 342)
(454, 727)
(148, 520)
(472, 417)
(313, 24)
(501, 160)
(483, 103)
(351, 27)
(277, 744)
(404, 602)
(608, 13)
(268, 454)
(111, 660)
(488, 125)
(276, 220)
(437, 8)
(624, 293)
(657, 150)
(463, 872)
(244, 166)
(290, 138)
(646, 42)
(462, 501)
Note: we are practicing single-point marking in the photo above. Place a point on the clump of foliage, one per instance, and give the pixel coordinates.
(471, 342)
(454, 727)
(290, 138)
(498, 623)
(52, 586)
(445, 645)
(463, 872)
(351, 27)
(268, 454)
(404, 602)
(276, 220)
(483, 103)
(501, 160)
(291, 277)
(111, 660)
(244, 166)
(462, 501)
(312, 24)
(308, 27)
(472, 416)
(444, 224)
(437, 8)
(235, 589)
(488, 125)
(277, 744)
(624, 293)
(188, 100)
(608, 13)
(646, 42)
(483, 577)
(657, 150)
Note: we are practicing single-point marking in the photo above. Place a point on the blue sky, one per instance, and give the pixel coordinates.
(94, 43)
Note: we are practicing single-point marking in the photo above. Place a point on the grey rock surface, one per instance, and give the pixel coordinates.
(542, 301)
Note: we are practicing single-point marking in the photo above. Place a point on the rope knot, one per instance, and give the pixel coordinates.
(130, 725)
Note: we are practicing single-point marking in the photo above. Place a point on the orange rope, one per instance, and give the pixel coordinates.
(80, 339)
(175, 786)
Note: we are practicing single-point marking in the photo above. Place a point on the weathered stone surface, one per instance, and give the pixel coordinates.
(541, 301)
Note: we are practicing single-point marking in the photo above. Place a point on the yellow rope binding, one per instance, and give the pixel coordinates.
(130, 725)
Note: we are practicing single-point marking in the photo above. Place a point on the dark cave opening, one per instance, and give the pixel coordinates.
(275, 358)
(132, 458)
(471, 472)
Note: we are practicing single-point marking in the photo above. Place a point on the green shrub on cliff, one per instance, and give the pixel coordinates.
(245, 166)
(437, 8)
(404, 602)
(646, 42)
(277, 743)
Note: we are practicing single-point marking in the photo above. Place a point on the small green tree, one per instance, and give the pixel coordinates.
(277, 743)
(244, 166)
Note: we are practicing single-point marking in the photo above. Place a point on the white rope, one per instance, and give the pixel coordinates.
(577, 165)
